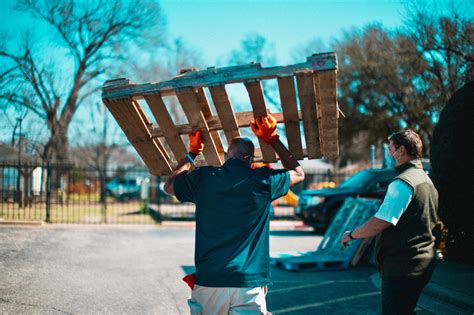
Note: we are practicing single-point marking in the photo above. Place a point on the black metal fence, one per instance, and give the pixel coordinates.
(66, 193)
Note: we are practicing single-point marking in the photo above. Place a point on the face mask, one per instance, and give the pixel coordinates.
(392, 161)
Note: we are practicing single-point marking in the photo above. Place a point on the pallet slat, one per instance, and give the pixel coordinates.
(214, 123)
(132, 123)
(254, 88)
(190, 104)
(207, 113)
(214, 76)
(148, 125)
(286, 86)
(164, 120)
(326, 87)
(225, 111)
(307, 94)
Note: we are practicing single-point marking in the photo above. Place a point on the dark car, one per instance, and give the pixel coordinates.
(125, 189)
(318, 207)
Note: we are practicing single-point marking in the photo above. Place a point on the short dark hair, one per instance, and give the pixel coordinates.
(410, 140)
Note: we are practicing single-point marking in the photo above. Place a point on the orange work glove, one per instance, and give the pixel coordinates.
(196, 145)
(264, 127)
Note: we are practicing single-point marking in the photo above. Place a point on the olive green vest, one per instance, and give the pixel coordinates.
(407, 249)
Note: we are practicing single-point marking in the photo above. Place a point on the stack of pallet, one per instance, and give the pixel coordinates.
(312, 101)
(330, 254)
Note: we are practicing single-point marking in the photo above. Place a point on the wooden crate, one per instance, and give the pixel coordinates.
(160, 143)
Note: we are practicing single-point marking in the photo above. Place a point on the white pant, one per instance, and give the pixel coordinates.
(220, 301)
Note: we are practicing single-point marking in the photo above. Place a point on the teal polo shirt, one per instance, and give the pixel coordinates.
(232, 221)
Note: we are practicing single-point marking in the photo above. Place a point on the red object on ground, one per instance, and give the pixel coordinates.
(189, 279)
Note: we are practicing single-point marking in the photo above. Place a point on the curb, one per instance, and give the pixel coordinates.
(20, 223)
(274, 225)
(436, 291)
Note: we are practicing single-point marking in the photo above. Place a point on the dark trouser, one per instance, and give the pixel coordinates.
(400, 294)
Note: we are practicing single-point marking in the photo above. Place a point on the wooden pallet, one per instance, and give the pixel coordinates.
(160, 143)
(330, 255)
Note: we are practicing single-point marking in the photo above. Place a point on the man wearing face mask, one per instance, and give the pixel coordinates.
(404, 224)
(232, 221)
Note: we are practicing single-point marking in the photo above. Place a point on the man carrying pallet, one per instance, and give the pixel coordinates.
(232, 221)
(405, 248)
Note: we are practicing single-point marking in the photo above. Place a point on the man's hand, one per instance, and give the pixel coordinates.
(196, 146)
(264, 127)
(345, 239)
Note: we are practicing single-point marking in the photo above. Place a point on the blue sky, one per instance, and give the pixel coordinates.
(217, 27)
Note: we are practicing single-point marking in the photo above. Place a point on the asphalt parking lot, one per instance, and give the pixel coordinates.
(138, 270)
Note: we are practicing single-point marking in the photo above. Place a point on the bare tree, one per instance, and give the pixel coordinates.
(386, 81)
(447, 45)
(373, 83)
(254, 47)
(164, 64)
(97, 146)
(94, 33)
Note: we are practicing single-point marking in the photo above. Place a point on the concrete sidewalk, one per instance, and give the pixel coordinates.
(451, 289)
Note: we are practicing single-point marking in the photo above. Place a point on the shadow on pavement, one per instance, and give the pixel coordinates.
(294, 233)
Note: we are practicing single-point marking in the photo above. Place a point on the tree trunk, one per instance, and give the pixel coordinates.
(57, 148)
(103, 188)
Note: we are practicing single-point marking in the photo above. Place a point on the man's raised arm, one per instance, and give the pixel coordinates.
(196, 146)
(264, 127)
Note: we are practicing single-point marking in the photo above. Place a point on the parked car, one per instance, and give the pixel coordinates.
(124, 189)
(318, 207)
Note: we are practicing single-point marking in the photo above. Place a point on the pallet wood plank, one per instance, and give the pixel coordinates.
(207, 113)
(286, 87)
(189, 102)
(119, 118)
(214, 123)
(151, 150)
(144, 121)
(307, 95)
(254, 88)
(326, 86)
(135, 127)
(258, 155)
(225, 112)
(149, 126)
(330, 254)
(214, 76)
(164, 120)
